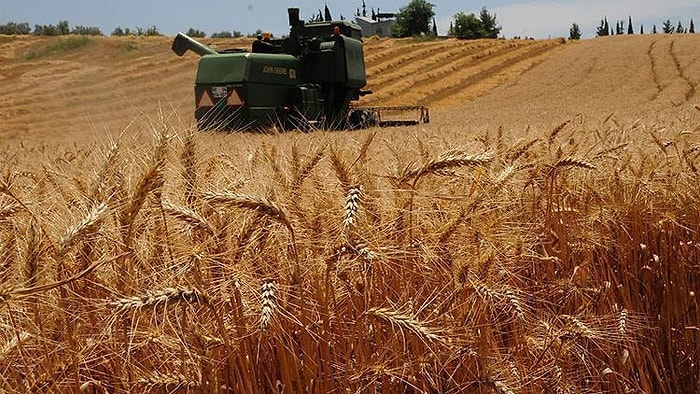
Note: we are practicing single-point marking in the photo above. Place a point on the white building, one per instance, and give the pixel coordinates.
(379, 26)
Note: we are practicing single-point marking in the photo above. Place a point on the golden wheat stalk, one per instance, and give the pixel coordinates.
(447, 161)
(258, 204)
(189, 216)
(573, 162)
(83, 228)
(505, 297)
(341, 169)
(162, 297)
(610, 150)
(622, 323)
(267, 302)
(404, 322)
(553, 134)
(352, 205)
(301, 173)
(100, 189)
(16, 293)
(577, 327)
(512, 157)
(151, 181)
(189, 168)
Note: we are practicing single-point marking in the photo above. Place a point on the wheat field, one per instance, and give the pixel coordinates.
(539, 236)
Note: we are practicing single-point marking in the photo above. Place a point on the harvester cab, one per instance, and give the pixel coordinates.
(305, 81)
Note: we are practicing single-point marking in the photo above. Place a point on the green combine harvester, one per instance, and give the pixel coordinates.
(306, 81)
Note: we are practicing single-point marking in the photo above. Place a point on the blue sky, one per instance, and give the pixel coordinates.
(529, 18)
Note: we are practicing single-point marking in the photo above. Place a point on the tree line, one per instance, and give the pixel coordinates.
(418, 18)
(60, 29)
(63, 28)
(606, 28)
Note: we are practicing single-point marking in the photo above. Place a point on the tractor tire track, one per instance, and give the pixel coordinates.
(681, 73)
(672, 83)
(654, 70)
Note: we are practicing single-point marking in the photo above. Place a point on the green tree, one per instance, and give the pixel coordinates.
(667, 27)
(603, 29)
(679, 28)
(192, 32)
(11, 28)
(574, 32)
(630, 30)
(467, 26)
(63, 28)
(151, 31)
(45, 30)
(222, 34)
(489, 24)
(86, 31)
(692, 26)
(413, 19)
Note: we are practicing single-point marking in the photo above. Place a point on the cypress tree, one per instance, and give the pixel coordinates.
(641, 29)
(692, 26)
(327, 14)
(607, 27)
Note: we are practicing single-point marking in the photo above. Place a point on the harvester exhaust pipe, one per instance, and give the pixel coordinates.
(183, 42)
(294, 20)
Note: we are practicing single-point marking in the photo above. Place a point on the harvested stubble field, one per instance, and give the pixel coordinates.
(541, 235)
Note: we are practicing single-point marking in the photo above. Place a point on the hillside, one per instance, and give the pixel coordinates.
(66, 86)
(69, 85)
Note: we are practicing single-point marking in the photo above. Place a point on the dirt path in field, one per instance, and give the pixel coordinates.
(66, 88)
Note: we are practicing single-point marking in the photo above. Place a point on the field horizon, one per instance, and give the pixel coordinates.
(540, 235)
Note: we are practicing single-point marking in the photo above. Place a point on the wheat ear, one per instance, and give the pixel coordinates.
(189, 168)
(150, 181)
(622, 323)
(553, 134)
(187, 215)
(445, 162)
(163, 297)
(352, 205)
(573, 162)
(404, 322)
(258, 204)
(302, 172)
(82, 229)
(341, 169)
(267, 302)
